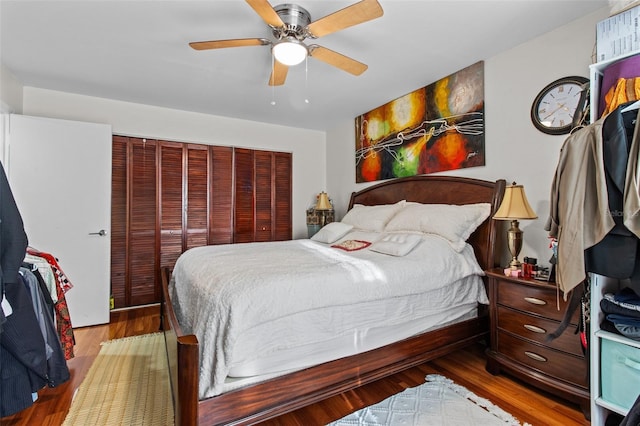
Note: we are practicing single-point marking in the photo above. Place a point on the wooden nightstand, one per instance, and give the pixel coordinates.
(523, 312)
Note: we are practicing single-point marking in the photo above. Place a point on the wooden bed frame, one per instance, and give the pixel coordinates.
(283, 394)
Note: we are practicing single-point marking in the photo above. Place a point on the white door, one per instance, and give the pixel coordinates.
(60, 175)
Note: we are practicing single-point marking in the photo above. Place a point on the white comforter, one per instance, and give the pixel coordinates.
(221, 291)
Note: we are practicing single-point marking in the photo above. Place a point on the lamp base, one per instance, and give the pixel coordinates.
(514, 235)
(515, 264)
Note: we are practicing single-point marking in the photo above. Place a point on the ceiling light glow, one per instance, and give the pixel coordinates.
(290, 52)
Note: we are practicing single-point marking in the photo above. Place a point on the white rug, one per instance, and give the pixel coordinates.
(438, 402)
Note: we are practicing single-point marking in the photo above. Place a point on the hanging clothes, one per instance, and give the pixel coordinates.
(619, 85)
(615, 255)
(57, 371)
(580, 215)
(63, 319)
(23, 359)
(46, 272)
(13, 239)
(625, 90)
(46, 295)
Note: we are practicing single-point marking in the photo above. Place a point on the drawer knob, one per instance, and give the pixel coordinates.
(535, 356)
(535, 301)
(535, 329)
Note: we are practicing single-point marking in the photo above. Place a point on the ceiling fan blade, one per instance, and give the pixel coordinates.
(236, 42)
(357, 13)
(279, 74)
(338, 60)
(266, 12)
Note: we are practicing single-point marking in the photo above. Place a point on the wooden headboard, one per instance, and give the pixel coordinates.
(443, 190)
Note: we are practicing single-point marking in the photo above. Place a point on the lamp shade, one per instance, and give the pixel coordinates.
(323, 202)
(290, 51)
(515, 205)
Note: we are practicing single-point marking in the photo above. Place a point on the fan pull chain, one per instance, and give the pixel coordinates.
(273, 89)
(306, 79)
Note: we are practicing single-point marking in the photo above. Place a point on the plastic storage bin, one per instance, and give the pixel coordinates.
(620, 373)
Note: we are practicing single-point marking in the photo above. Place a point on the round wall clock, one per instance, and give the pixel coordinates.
(554, 108)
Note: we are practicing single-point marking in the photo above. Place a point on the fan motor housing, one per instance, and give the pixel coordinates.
(295, 18)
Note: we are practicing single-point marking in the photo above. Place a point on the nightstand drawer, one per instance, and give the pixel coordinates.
(548, 361)
(535, 300)
(537, 329)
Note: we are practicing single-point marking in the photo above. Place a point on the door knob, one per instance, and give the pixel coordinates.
(101, 232)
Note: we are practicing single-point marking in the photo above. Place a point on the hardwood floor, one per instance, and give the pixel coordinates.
(465, 367)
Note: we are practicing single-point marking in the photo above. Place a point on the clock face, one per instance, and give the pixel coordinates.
(554, 108)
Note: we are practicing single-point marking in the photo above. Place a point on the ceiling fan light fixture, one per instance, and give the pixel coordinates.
(290, 51)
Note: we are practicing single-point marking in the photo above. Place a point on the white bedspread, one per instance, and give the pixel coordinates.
(221, 291)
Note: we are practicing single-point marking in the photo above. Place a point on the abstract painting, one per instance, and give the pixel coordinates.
(438, 127)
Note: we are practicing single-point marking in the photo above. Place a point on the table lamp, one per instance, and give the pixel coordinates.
(323, 206)
(514, 206)
(323, 202)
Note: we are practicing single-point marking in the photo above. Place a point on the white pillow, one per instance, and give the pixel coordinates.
(363, 235)
(331, 232)
(372, 218)
(396, 244)
(453, 222)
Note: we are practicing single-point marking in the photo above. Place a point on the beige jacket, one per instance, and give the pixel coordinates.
(580, 216)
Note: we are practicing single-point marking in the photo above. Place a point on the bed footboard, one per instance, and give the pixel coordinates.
(183, 360)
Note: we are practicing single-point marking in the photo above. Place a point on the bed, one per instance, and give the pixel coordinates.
(246, 402)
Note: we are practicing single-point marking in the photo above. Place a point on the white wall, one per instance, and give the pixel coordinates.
(514, 149)
(10, 102)
(308, 146)
(10, 92)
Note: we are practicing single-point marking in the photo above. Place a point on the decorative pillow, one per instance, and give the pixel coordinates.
(397, 244)
(332, 232)
(453, 222)
(372, 218)
(362, 235)
(352, 245)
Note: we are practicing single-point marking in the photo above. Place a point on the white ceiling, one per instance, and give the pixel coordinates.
(138, 51)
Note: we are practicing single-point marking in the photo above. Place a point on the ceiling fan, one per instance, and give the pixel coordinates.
(291, 25)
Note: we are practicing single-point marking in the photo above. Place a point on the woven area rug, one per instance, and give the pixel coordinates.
(437, 402)
(128, 384)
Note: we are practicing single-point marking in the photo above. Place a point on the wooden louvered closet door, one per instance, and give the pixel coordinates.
(171, 213)
(142, 271)
(168, 197)
(262, 195)
(282, 187)
(134, 249)
(221, 194)
(119, 220)
(244, 206)
(196, 206)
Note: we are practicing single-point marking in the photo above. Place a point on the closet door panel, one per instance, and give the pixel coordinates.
(264, 194)
(142, 248)
(119, 220)
(283, 187)
(171, 216)
(244, 195)
(197, 196)
(221, 195)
